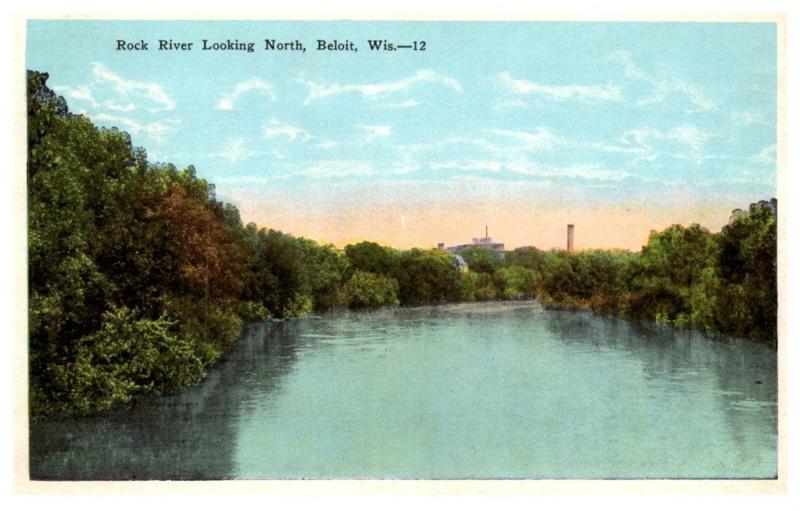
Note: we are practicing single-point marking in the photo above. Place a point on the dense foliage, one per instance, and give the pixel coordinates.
(135, 271)
(684, 276)
(139, 278)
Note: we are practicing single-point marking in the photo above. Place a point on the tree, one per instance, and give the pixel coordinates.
(427, 276)
(128, 262)
(365, 289)
(371, 257)
(325, 269)
(480, 259)
(527, 257)
(518, 282)
(748, 269)
(670, 265)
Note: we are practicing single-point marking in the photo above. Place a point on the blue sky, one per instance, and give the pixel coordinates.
(620, 127)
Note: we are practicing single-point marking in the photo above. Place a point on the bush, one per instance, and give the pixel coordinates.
(211, 326)
(365, 289)
(126, 356)
(251, 311)
(299, 305)
(484, 287)
(427, 276)
(518, 282)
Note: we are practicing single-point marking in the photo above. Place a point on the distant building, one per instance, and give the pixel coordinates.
(499, 249)
(570, 238)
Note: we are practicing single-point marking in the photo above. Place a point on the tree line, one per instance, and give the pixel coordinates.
(685, 276)
(139, 278)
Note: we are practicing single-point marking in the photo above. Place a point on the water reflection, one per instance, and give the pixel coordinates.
(735, 380)
(185, 436)
(474, 390)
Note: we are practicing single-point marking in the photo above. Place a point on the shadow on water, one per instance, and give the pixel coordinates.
(740, 365)
(744, 371)
(187, 435)
(532, 392)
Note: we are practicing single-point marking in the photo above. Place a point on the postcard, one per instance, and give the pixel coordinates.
(448, 250)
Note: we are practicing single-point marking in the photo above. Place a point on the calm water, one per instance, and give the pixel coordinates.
(461, 391)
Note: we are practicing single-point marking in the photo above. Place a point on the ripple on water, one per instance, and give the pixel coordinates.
(470, 390)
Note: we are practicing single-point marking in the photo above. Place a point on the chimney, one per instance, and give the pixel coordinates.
(570, 238)
(487, 232)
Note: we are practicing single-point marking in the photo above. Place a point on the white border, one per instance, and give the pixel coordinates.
(16, 308)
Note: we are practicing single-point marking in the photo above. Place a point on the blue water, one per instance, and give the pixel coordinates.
(497, 390)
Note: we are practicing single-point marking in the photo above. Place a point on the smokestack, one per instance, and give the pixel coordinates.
(570, 237)
(487, 231)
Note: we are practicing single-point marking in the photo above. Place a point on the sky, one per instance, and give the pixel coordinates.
(524, 127)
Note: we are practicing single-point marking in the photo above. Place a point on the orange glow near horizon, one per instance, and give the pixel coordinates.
(403, 227)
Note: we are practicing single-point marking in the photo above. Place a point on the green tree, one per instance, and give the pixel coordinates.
(748, 298)
(669, 266)
(374, 258)
(427, 276)
(128, 263)
(480, 259)
(518, 282)
(527, 257)
(365, 289)
(124, 357)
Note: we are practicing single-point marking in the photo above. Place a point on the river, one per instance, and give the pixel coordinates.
(489, 390)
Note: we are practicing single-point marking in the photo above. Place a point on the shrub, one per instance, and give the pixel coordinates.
(126, 356)
(365, 289)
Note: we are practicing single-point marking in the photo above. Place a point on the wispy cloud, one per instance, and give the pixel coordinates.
(766, 155)
(510, 104)
(124, 122)
(534, 169)
(748, 118)
(147, 90)
(694, 137)
(377, 90)
(616, 148)
(326, 144)
(662, 87)
(337, 168)
(642, 140)
(130, 105)
(277, 129)
(82, 93)
(229, 99)
(119, 107)
(454, 140)
(135, 94)
(374, 132)
(245, 179)
(468, 165)
(561, 92)
(235, 150)
(582, 171)
(539, 140)
(157, 131)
